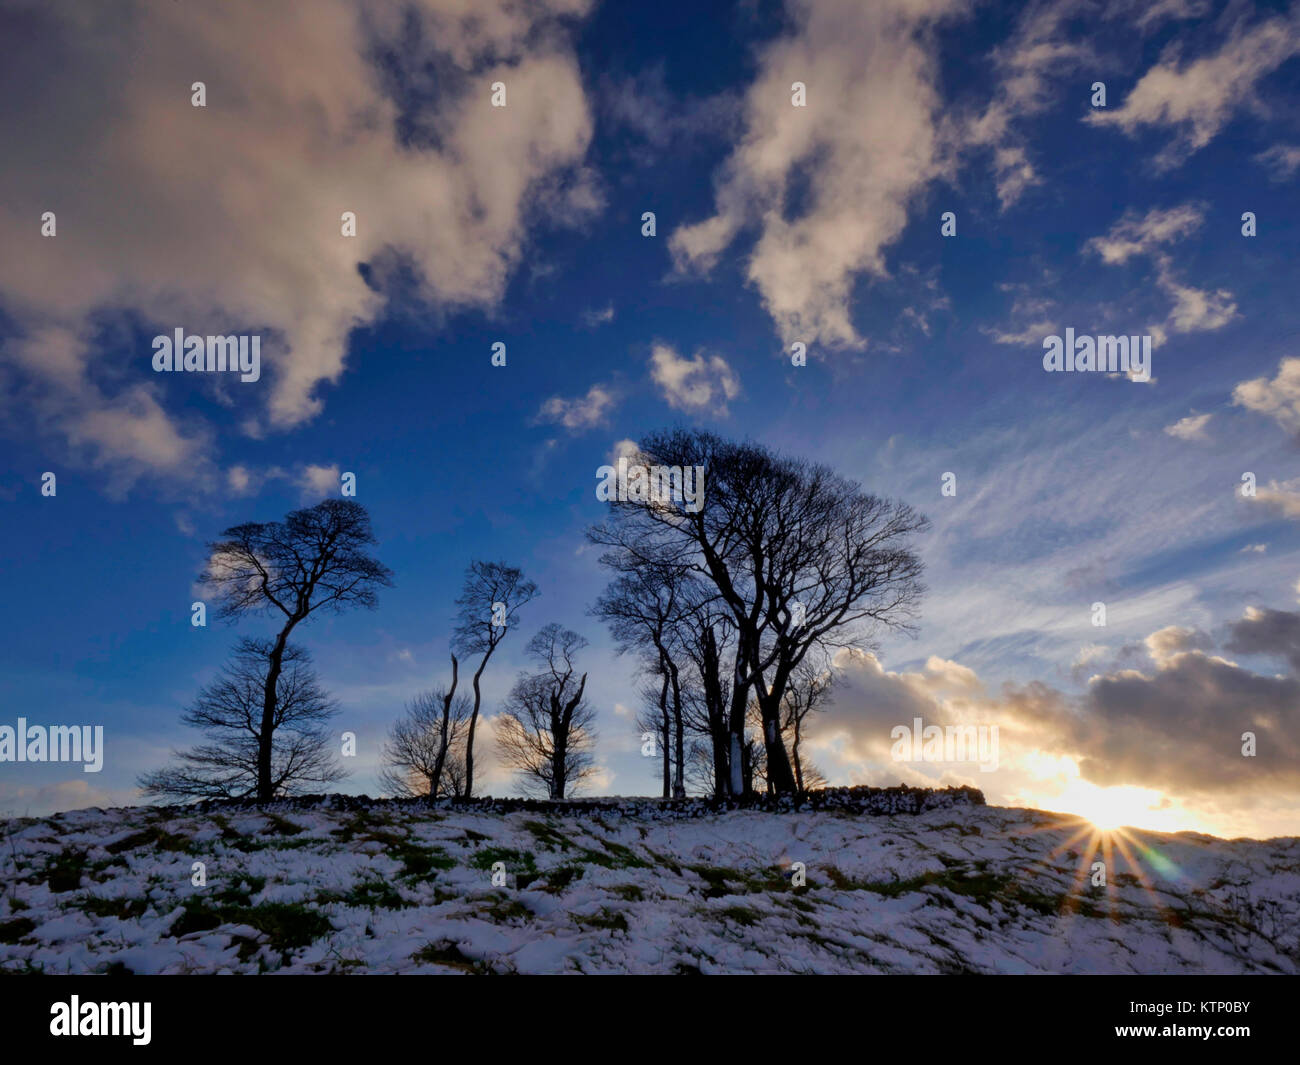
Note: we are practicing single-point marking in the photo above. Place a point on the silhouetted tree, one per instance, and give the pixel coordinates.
(644, 608)
(801, 557)
(489, 606)
(809, 691)
(545, 729)
(313, 560)
(425, 742)
(229, 712)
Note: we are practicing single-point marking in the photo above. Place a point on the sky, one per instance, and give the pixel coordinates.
(948, 189)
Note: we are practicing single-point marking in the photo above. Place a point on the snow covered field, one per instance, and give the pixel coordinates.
(353, 887)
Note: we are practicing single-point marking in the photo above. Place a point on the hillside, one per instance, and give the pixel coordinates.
(346, 885)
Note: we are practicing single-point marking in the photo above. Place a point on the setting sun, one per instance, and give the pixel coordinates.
(1122, 806)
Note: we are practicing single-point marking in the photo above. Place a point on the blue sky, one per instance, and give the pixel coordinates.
(523, 225)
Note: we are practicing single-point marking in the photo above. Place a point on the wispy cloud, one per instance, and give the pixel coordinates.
(701, 384)
(578, 413)
(1195, 99)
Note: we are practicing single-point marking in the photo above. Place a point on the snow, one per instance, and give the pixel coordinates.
(635, 886)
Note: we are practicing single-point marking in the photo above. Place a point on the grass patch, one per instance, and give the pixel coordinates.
(629, 892)
(419, 861)
(719, 880)
(287, 926)
(370, 895)
(979, 885)
(743, 915)
(63, 871)
(547, 835)
(619, 857)
(122, 909)
(155, 838)
(606, 920)
(13, 931)
(445, 952)
(501, 908)
(515, 860)
(281, 826)
(236, 894)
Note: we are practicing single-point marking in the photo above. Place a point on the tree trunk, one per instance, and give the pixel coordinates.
(265, 785)
(794, 755)
(710, 667)
(473, 724)
(679, 784)
(441, 759)
(664, 740)
(780, 777)
(739, 782)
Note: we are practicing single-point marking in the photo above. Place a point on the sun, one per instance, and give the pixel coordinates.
(1109, 809)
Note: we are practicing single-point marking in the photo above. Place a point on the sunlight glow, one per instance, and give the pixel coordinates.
(1121, 806)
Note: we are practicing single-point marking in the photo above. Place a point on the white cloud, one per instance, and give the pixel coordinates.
(1193, 310)
(1151, 13)
(581, 412)
(226, 219)
(1281, 498)
(1282, 161)
(1190, 428)
(1278, 398)
(1036, 314)
(1197, 98)
(700, 384)
(1136, 234)
(240, 480)
(593, 318)
(313, 480)
(1038, 49)
(865, 146)
(317, 482)
(624, 448)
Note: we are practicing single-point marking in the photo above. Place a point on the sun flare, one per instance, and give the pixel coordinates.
(1119, 807)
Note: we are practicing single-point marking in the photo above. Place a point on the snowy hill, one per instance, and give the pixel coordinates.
(347, 885)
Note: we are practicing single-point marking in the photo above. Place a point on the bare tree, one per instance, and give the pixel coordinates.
(645, 610)
(654, 718)
(426, 744)
(229, 713)
(313, 560)
(488, 608)
(809, 690)
(545, 730)
(800, 557)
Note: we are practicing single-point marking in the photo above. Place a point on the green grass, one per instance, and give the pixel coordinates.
(446, 953)
(419, 861)
(287, 926)
(547, 835)
(606, 920)
(501, 908)
(371, 895)
(743, 915)
(516, 861)
(153, 837)
(122, 909)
